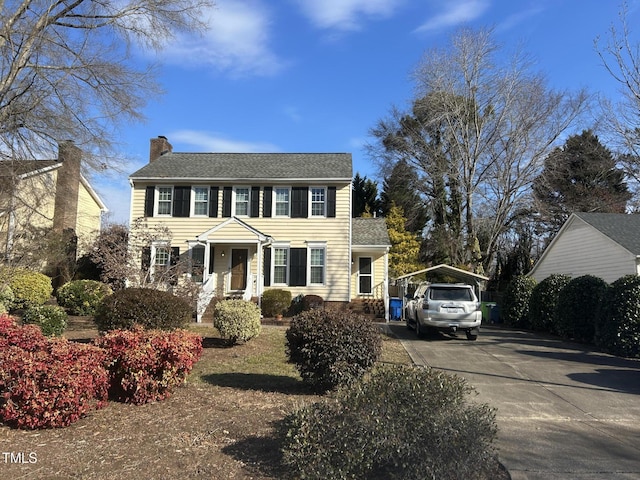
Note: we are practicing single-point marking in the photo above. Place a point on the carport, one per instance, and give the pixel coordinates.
(470, 278)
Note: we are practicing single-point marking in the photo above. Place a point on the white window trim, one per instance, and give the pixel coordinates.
(155, 246)
(192, 206)
(325, 189)
(274, 247)
(274, 202)
(156, 206)
(317, 246)
(233, 202)
(366, 275)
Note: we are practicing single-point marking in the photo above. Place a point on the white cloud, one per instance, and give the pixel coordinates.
(346, 15)
(456, 13)
(237, 41)
(202, 141)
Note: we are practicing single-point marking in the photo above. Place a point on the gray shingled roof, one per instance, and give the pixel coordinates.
(369, 232)
(249, 166)
(620, 227)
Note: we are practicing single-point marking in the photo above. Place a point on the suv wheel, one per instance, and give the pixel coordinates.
(419, 332)
(472, 334)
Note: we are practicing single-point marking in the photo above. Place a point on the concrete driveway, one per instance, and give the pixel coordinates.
(564, 411)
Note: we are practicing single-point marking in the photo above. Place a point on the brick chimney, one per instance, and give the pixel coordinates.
(159, 146)
(67, 187)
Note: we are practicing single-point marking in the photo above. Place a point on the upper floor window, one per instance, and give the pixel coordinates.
(282, 202)
(242, 201)
(165, 200)
(200, 200)
(318, 201)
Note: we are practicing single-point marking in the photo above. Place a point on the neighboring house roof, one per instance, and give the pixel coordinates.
(622, 228)
(369, 232)
(247, 166)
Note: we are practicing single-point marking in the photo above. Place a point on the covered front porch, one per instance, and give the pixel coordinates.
(228, 261)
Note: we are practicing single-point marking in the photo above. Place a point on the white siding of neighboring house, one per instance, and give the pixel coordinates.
(580, 249)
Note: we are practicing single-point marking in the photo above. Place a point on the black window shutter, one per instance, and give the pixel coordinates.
(174, 256)
(299, 202)
(181, 201)
(266, 201)
(255, 202)
(212, 256)
(298, 267)
(267, 267)
(149, 198)
(213, 201)
(146, 259)
(331, 201)
(226, 201)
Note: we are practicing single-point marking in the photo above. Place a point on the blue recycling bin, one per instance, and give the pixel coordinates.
(395, 308)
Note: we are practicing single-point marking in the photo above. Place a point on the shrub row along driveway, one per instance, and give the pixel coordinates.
(564, 411)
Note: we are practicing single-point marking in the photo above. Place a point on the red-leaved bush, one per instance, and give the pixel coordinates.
(146, 365)
(47, 382)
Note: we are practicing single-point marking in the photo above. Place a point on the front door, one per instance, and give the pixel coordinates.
(238, 268)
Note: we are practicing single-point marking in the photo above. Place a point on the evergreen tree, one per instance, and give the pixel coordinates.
(402, 187)
(365, 197)
(580, 176)
(405, 246)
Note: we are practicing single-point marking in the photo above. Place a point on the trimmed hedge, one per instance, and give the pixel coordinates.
(543, 302)
(515, 304)
(47, 383)
(275, 302)
(29, 288)
(618, 330)
(237, 320)
(579, 306)
(401, 422)
(82, 297)
(147, 365)
(147, 307)
(51, 319)
(331, 347)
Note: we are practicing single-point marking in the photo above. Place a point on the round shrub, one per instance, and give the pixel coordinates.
(82, 297)
(146, 307)
(7, 298)
(29, 288)
(275, 302)
(237, 320)
(515, 303)
(312, 302)
(543, 302)
(400, 422)
(51, 319)
(618, 329)
(332, 348)
(578, 309)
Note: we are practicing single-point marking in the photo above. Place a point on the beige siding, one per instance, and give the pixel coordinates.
(580, 250)
(378, 280)
(297, 232)
(88, 218)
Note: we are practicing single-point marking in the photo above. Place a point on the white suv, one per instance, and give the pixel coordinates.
(448, 307)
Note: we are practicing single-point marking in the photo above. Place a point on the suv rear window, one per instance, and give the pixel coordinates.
(447, 293)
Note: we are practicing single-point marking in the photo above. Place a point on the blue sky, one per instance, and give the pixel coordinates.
(315, 76)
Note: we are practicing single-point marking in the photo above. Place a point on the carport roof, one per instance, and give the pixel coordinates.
(458, 273)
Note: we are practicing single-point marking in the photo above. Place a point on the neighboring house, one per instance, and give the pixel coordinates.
(253, 221)
(606, 245)
(37, 196)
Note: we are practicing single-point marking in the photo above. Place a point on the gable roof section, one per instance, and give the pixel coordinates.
(248, 166)
(234, 220)
(622, 228)
(369, 232)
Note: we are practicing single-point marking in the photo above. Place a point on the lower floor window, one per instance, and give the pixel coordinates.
(280, 265)
(317, 266)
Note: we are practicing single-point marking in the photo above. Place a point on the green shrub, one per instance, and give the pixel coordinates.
(7, 298)
(515, 304)
(82, 297)
(51, 319)
(29, 288)
(332, 348)
(543, 302)
(400, 422)
(578, 309)
(275, 302)
(312, 302)
(237, 320)
(618, 329)
(146, 307)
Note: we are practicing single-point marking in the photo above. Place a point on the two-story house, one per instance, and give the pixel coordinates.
(38, 196)
(252, 221)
